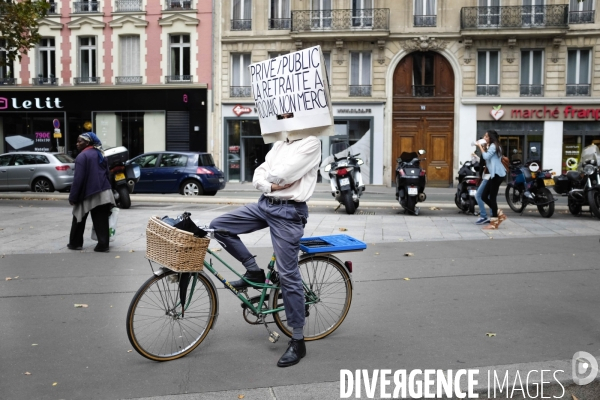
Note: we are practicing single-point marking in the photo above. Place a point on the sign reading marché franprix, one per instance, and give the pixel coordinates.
(291, 93)
(528, 112)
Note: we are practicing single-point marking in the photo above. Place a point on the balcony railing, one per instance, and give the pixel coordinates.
(128, 5)
(488, 90)
(179, 5)
(240, 91)
(86, 80)
(425, 20)
(128, 80)
(178, 78)
(423, 90)
(44, 81)
(241, 24)
(578, 90)
(532, 90)
(8, 81)
(86, 7)
(280, 23)
(339, 20)
(360, 90)
(514, 17)
(581, 17)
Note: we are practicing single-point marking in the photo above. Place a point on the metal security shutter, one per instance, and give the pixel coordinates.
(178, 131)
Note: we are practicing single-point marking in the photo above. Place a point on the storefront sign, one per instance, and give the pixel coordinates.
(539, 113)
(354, 111)
(291, 93)
(239, 110)
(37, 104)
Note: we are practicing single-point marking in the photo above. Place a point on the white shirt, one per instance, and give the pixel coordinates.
(294, 162)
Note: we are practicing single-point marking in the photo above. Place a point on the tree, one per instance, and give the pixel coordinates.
(19, 26)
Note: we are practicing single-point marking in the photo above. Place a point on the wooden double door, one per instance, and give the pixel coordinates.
(423, 113)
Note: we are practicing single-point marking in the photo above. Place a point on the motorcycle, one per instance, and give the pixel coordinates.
(122, 177)
(467, 187)
(345, 178)
(410, 181)
(582, 186)
(529, 187)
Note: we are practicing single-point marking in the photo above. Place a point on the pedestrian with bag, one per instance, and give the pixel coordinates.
(484, 176)
(90, 193)
(497, 171)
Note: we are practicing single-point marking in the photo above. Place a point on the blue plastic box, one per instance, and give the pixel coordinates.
(331, 244)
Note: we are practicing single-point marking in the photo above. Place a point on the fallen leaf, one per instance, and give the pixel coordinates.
(129, 351)
(376, 253)
(34, 344)
(27, 373)
(574, 398)
(241, 396)
(131, 251)
(16, 277)
(435, 208)
(407, 279)
(490, 334)
(8, 278)
(81, 306)
(409, 254)
(118, 257)
(55, 383)
(343, 229)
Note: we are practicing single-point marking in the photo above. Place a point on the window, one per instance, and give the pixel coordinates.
(578, 72)
(240, 75)
(86, 6)
(488, 66)
(87, 60)
(173, 160)
(488, 13)
(425, 13)
(321, 14)
(6, 69)
(423, 83)
(146, 161)
(130, 60)
(46, 72)
(241, 18)
(52, 9)
(581, 12)
(360, 74)
(279, 14)
(534, 12)
(532, 72)
(180, 58)
(362, 13)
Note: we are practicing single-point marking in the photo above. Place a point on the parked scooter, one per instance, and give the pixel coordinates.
(410, 181)
(122, 177)
(582, 186)
(345, 178)
(529, 187)
(467, 187)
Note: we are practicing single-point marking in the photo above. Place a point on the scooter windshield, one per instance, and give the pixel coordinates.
(408, 157)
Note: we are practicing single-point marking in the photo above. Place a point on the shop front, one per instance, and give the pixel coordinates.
(355, 124)
(141, 120)
(551, 135)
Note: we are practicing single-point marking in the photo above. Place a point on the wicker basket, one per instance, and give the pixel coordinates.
(177, 250)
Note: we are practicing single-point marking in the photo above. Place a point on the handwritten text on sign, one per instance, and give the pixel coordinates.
(290, 86)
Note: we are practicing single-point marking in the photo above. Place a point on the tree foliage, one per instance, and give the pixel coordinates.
(19, 26)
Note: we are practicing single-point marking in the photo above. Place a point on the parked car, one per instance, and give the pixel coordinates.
(185, 172)
(36, 171)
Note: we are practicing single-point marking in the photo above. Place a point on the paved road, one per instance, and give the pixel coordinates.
(535, 289)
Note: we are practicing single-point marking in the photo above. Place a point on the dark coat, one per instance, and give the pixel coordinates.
(91, 176)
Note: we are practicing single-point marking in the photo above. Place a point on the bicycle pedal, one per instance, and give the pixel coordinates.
(273, 337)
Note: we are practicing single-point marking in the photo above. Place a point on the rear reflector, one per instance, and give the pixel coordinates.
(62, 167)
(348, 265)
(202, 170)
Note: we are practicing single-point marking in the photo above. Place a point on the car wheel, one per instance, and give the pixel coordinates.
(42, 185)
(191, 187)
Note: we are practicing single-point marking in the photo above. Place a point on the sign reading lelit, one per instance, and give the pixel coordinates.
(542, 113)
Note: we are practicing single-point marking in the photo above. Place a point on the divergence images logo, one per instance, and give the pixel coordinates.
(585, 368)
(3, 103)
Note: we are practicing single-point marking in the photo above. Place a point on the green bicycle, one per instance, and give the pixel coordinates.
(173, 312)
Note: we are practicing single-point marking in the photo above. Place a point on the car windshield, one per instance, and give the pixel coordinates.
(63, 158)
(206, 160)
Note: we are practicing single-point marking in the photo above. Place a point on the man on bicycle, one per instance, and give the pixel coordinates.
(287, 180)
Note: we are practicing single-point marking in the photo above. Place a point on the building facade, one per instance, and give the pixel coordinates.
(430, 74)
(136, 72)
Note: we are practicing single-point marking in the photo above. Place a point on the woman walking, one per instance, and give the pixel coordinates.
(493, 160)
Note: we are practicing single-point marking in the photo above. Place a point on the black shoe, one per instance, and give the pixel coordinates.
(70, 247)
(252, 276)
(101, 250)
(295, 351)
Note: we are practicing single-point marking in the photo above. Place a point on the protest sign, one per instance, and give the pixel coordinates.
(291, 93)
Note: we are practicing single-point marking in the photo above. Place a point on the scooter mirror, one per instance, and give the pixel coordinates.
(460, 163)
(421, 152)
(360, 162)
(327, 168)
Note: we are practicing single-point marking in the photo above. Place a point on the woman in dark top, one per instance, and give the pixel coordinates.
(90, 192)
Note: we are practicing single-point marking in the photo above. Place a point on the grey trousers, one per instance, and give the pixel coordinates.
(286, 222)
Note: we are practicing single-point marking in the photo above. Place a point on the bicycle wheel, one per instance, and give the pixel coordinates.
(155, 326)
(331, 283)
